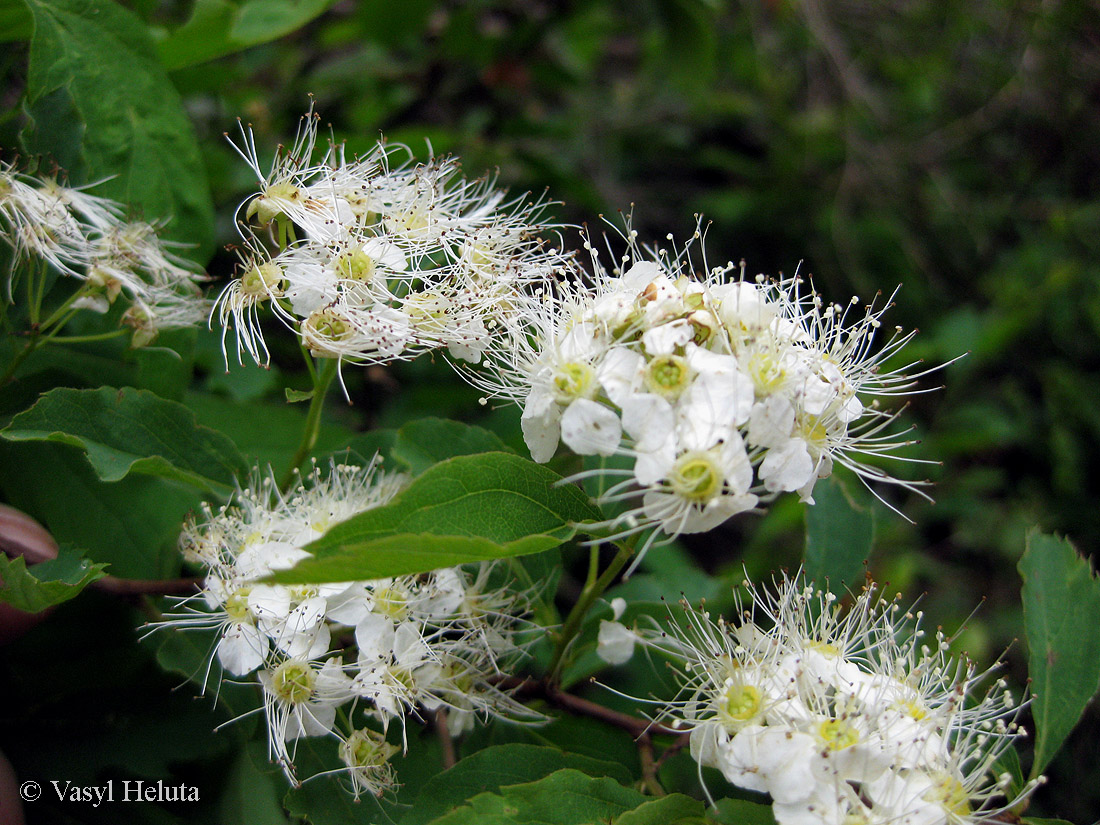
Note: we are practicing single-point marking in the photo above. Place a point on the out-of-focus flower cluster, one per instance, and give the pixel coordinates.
(720, 392)
(346, 659)
(841, 716)
(89, 238)
(378, 258)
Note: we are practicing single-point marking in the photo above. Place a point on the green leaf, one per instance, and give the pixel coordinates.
(465, 509)
(132, 524)
(839, 535)
(497, 766)
(132, 431)
(1034, 820)
(16, 22)
(252, 791)
(220, 27)
(103, 107)
(273, 443)
(743, 812)
(47, 583)
(425, 442)
(1062, 620)
(674, 809)
(566, 797)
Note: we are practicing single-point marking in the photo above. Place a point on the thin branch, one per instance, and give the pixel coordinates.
(636, 726)
(445, 740)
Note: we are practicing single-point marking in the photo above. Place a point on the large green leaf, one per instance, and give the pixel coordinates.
(16, 22)
(220, 27)
(465, 509)
(839, 535)
(497, 766)
(1062, 619)
(132, 524)
(252, 790)
(427, 441)
(132, 431)
(674, 809)
(743, 812)
(566, 797)
(102, 105)
(48, 583)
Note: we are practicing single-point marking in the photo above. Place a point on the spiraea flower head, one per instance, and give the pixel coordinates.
(720, 392)
(87, 238)
(841, 715)
(329, 655)
(379, 258)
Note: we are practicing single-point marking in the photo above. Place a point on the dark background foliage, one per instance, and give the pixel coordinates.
(949, 147)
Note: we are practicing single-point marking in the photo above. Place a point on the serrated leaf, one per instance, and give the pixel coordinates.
(566, 797)
(674, 809)
(465, 509)
(495, 767)
(48, 583)
(427, 441)
(742, 812)
(128, 430)
(102, 105)
(1062, 620)
(220, 27)
(839, 536)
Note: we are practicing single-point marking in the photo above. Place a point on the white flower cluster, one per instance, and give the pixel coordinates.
(379, 649)
(722, 392)
(88, 238)
(842, 717)
(381, 258)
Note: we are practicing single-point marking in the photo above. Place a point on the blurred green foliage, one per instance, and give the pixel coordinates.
(949, 147)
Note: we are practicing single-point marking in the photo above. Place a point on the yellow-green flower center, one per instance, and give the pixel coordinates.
(766, 372)
(367, 749)
(837, 734)
(696, 477)
(236, 606)
(574, 380)
(668, 376)
(950, 794)
(263, 281)
(293, 682)
(742, 702)
(392, 601)
(328, 325)
(267, 207)
(356, 265)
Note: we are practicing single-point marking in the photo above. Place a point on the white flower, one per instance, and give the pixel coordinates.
(615, 643)
(840, 714)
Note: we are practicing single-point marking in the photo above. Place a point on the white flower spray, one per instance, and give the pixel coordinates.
(87, 238)
(380, 258)
(720, 392)
(841, 716)
(346, 659)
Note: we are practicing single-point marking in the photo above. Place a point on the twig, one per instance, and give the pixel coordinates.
(634, 725)
(649, 766)
(445, 739)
